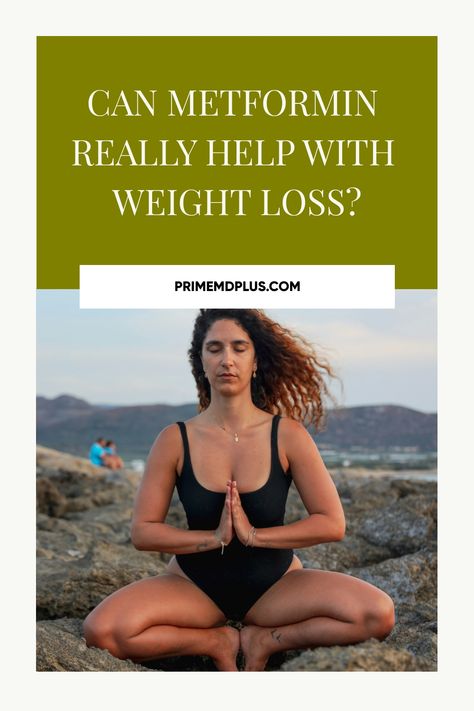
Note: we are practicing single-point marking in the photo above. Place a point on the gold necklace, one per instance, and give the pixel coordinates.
(235, 435)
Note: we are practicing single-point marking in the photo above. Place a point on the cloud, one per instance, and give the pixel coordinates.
(141, 355)
(356, 343)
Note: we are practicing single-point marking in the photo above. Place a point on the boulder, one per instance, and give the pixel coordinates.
(371, 655)
(85, 554)
(409, 579)
(61, 647)
(49, 499)
(402, 526)
(72, 588)
(351, 552)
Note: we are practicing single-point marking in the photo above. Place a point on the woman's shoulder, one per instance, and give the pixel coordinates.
(170, 431)
(293, 434)
(168, 437)
(290, 426)
(195, 422)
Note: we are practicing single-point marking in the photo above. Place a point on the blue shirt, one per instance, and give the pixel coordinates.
(95, 453)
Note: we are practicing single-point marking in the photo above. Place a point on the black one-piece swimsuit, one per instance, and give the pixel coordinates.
(239, 577)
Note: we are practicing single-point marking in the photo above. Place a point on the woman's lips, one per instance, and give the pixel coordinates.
(227, 376)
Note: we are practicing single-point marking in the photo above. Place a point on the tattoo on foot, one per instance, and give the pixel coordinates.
(276, 635)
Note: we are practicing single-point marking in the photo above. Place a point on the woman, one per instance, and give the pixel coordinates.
(236, 560)
(112, 459)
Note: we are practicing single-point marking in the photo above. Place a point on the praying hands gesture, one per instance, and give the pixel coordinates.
(234, 519)
(244, 530)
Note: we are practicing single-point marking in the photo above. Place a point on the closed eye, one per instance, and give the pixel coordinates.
(215, 346)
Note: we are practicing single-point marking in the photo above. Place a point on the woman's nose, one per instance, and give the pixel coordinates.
(227, 357)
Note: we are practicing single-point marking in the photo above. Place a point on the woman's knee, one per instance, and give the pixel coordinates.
(99, 631)
(379, 618)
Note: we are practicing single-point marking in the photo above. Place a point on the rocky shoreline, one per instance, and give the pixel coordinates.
(85, 553)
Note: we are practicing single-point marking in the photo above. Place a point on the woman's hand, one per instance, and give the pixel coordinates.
(242, 525)
(225, 532)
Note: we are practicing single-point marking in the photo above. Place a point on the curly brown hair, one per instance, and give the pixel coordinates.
(290, 376)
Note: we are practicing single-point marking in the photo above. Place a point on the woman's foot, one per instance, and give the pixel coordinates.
(254, 643)
(227, 647)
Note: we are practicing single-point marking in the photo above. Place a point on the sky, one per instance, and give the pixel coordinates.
(131, 357)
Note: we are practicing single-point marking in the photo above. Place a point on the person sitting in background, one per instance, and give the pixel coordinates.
(113, 461)
(97, 453)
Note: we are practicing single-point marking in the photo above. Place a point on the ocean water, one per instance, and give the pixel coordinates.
(136, 465)
(392, 460)
(411, 474)
(378, 467)
(428, 475)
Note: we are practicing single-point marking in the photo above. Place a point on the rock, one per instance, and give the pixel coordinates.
(72, 588)
(55, 537)
(49, 500)
(410, 579)
(365, 493)
(368, 656)
(54, 461)
(109, 523)
(403, 520)
(402, 526)
(416, 631)
(61, 647)
(411, 582)
(84, 485)
(84, 492)
(351, 552)
(85, 554)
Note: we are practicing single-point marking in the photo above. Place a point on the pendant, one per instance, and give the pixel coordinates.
(236, 437)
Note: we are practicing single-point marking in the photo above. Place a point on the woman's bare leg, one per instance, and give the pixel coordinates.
(112, 461)
(161, 617)
(312, 608)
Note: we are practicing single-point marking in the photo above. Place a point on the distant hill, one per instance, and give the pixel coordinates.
(58, 409)
(70, 425)
(134, 427)
(380, 427)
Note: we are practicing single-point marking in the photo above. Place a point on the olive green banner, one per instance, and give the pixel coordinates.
(237, 150)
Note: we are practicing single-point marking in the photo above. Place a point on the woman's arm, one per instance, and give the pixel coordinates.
(149, 532)
(325, 521)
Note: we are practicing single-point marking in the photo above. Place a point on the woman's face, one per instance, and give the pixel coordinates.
(228, 357)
